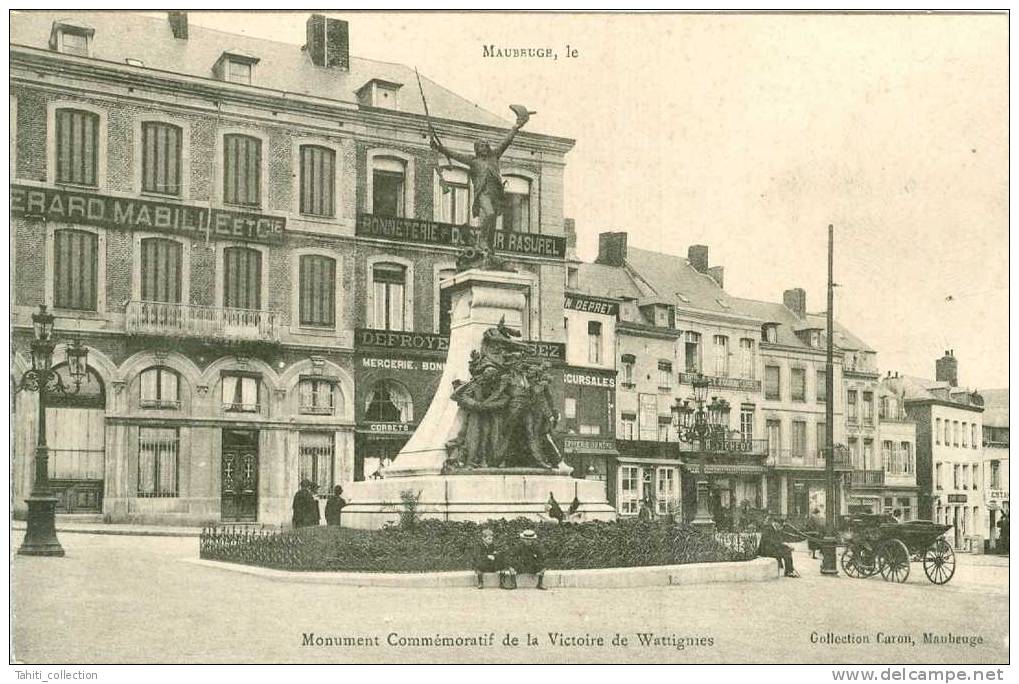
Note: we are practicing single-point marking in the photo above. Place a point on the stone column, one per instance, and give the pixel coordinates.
(783, 493)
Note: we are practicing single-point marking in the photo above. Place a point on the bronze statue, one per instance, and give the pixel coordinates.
(486, 178)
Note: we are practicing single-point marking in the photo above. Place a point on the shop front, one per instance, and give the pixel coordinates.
(731, 487)
(645, 474)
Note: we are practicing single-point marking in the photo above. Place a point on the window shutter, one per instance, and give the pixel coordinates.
(161, 158)
(318, 290)
(318, 176)
(75, 270)
(242, 170)
(242, 274)
(77, 143)
(161, 270)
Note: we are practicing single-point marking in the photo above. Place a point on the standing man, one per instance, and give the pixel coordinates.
(334, 506)
(305, 506)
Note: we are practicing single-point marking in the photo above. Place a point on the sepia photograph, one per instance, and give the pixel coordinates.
(496, 337)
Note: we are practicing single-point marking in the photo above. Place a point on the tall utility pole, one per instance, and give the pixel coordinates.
(828, 547)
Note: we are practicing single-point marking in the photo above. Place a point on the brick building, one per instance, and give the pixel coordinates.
(224, 221)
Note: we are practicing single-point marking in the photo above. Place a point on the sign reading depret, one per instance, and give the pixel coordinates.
(605, 307)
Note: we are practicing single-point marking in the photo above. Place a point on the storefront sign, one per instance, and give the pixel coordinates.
(72, 206)
(581, 445)
(605, 307)
(387, 428)
(956, 498)
(432, 233)
(730, 469)
(573, 377)
(402, 364)
(998, 494)
(366, 338)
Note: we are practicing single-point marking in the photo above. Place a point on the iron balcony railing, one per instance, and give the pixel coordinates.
(868, 478)
(718, 382)
(805, 458)
(194, 320)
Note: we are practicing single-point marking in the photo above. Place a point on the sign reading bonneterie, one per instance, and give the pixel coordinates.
(74, 206)
(432, 233)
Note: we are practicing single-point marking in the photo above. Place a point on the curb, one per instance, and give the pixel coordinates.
(120, 532)
(757, 570)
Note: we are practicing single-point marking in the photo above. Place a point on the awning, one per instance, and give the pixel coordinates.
(649, 461)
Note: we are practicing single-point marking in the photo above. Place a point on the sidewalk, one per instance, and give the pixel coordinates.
(71, 527)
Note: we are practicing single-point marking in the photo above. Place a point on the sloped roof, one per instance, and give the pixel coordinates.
(282, 66)
(676, 281)
(601, 280)
(995, 407)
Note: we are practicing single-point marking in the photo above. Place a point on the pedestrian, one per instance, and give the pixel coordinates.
(526, 559)
(305, 506)
(1003, 536)
(772, 546)
(334, 506)
(486, 557)
(815, 526)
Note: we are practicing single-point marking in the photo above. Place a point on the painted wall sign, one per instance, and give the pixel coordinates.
(605, 307)
(582, 445)
(956, 498)
(433, 233)
(74, 206)
(398, 364)
(387, 428)
(366, 338)
(573, 377)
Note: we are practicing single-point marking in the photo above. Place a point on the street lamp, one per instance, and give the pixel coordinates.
(705, 424)
(41, 533)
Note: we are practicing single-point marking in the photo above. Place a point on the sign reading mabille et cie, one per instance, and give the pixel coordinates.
(433, 233)
(76, 206)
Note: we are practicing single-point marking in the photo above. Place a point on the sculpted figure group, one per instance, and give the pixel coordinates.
(507, 407)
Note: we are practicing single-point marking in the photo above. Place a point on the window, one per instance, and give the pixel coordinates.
(955, 433)
(692, 347)
(965, 476)
(388, 186)
(887, 457)
(882, 408)
(389, 402)
(74, 41)
(854, 453)
(799, 439)
(315, 459)
(965, 435)
(906, 458)
(666, 490)
(798, 384)
(389, 285)
(937, 476)
(570, 408)
(905, 509)
(317, 396)
(868, 454)
(590, 429)
(157, 462)
(455, 199)
(242, 278)
(746, 423)
(774, 438)
(161, 158)
(664, 375)
(937, 431)
(948, 432)
(854, 415)
(629, 489)
(995, 474)
(956, 480)
(159, 388)
(721, 356)
(975, 479)
(318, 181)
(77, 147)
(627, 364)
(821, 437)
(242, 170)
(160, 270)
(868, 408)
(318, 290)
(241, 393)
(769, 333)
(772, 383)
(973, 436)
(627, 423)
(594, 342)
(517, 204)
(664, 431)
(821, 386)
(75, 270)
(746, 358)
(238, 71)
(445, 301)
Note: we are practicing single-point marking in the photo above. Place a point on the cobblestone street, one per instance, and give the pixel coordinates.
(133, 599)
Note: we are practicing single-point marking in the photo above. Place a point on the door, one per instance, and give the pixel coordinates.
(76, 436)
(239, 476)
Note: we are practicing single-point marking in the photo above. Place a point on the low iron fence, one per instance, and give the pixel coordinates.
(238, 544)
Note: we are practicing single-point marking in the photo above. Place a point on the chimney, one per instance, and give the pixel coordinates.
(698, 256)
(946, 369)
(328, 41)
(796, 301)
(178, 24)
(570, 231)
(718, 274)
(611, 248)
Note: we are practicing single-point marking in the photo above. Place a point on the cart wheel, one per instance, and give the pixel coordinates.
(939, 562)
(858, 562)
(893, 561)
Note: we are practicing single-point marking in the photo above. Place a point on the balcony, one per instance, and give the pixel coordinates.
(211, 322)
(868, 478)
(808, 460)
(717, 382)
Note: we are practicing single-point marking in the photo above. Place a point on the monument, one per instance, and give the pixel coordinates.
(484, 449)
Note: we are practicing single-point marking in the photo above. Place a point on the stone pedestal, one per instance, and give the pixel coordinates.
(41, 533)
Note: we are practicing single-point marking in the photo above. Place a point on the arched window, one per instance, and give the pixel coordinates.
(388, 186)
(76, 437)
(159, 388)
(389, 402)
(389, 285)
(517, 209)
(91, 395)
(320, 395)
(77, 146)
(456, 202)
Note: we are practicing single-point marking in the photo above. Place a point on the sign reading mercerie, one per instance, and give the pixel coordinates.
(73, 206)
(432, 233)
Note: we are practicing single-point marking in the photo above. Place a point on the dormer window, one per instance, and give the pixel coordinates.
(236, 67)
(769, 332)
(379, 93)
(72, 38)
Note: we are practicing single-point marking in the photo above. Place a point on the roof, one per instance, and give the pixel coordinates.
(995, 407)
(605, 281)
(674, 280)
(282, 66)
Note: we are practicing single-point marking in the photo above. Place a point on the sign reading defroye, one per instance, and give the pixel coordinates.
(367, 339)
(75, 206)
(432, 233)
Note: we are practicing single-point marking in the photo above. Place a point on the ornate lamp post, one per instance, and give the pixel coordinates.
(699, 425)
(41, 535)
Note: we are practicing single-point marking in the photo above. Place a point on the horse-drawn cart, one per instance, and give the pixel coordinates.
(878, 544)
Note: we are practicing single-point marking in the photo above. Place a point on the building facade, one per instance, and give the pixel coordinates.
(995, 467)
(249, 237)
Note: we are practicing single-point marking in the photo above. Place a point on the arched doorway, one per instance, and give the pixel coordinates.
(76, 437)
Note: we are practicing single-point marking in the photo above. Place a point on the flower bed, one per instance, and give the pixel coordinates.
(434, 546)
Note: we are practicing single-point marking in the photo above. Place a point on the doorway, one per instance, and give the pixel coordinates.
(239, 476)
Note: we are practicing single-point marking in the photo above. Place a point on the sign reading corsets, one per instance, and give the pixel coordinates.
(432, 233)
(73, 206)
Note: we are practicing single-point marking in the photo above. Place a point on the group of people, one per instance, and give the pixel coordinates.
(306, 512)
(524, 558)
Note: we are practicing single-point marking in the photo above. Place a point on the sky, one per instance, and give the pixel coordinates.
(752, 133)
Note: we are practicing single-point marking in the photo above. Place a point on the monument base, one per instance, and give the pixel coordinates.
(476, 497)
